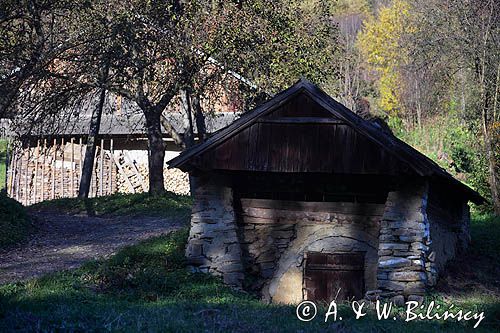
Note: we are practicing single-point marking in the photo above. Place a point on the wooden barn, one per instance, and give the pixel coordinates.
(303, 199)
(45, 162)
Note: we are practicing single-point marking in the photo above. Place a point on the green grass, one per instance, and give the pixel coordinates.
(119, 204)
(14, 222)
(147, 287)
(485, 234)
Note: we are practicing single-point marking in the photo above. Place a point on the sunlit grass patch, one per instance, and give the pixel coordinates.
(119, 204)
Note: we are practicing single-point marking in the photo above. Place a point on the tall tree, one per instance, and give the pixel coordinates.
(466, 36)
(169, 47)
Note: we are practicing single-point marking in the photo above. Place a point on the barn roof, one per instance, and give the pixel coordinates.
(127, 119)
(397, 149)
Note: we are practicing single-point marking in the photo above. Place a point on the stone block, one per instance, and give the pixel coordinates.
(231, 267)
(197, 260)
(393, 263)
(391, 285)
(419, 246)
(402, 253)
(194, 248)
(407, 276)
(410, 239)
(234, 279)
(416, 298)
(414, 288)
(398, 300)
(393, 246)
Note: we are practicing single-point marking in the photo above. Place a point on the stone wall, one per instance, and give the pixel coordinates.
(213, 245)
(275, 236)
(261, 244)
(404, 244)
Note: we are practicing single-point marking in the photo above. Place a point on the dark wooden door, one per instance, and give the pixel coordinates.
(327, 274)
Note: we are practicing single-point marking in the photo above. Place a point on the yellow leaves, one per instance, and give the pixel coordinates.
(388, 85)
(380, 38)
(380, 42)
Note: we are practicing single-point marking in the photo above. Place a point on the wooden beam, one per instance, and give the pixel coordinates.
(270, 207)
(72, 170)
(101, 180)
(43, 168)
(132, 165)
(18, 173)
(120, 170)
(53, 189)
(111, 166)
(63, 171)
(26, 169)
(10, 176)
(80, 142)
(7, 166)
(35, 181)
(93, 184)
(302, 120)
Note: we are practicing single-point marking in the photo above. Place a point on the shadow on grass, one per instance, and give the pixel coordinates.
(84, 311)
(147, 287)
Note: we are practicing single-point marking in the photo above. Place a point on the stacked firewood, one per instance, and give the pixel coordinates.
(175, 180)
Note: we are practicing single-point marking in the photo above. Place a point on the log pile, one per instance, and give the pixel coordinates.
(175, 180)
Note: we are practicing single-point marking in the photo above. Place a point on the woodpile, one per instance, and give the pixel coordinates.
(52, 169)
(175, 180)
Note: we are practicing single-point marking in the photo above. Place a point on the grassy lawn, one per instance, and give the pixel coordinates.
(120, 204)
(146, 287)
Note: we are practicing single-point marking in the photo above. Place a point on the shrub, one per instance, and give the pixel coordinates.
(14, 222)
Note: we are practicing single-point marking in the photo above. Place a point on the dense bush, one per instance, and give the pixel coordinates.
(14, 222)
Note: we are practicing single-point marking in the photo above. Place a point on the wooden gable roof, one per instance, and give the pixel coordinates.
(303, 129)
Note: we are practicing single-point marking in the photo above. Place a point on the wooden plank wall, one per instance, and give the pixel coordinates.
(301, 136)
(51, 169)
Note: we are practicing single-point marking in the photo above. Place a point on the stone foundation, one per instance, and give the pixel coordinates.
(213, 245)
(262, 244)
(404, 244)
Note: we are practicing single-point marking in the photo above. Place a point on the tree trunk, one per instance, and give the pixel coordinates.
(491, 167)
(199, 118)
(156, 152)
(88, 163)
(188, 139)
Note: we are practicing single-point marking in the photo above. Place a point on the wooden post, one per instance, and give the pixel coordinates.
(111, 167)
(10, 168)
(18, 173)
(7, 166)
(63, 170)
(80, 142)
(101, 181)
(93, 179)
(72, 170)
(13, 165)
(43, 168)
(53, 194)
(35, 186)
(26, 169)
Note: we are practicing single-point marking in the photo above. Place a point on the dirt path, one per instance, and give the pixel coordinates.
(64, 242)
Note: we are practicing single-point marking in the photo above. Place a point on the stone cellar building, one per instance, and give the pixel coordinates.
(303, 199)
